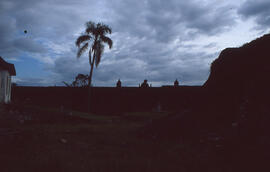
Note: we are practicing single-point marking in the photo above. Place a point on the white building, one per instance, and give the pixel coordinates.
(6, 71)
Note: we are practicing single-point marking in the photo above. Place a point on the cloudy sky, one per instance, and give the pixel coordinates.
(156, 40)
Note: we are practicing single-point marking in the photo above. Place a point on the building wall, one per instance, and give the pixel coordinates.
(5, 86)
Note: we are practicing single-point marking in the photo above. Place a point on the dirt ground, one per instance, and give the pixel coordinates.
(42, 139)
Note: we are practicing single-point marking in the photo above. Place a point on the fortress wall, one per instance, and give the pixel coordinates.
(110, 99)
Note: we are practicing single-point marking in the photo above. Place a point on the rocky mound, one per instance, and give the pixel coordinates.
(242, 69)
(233, 114)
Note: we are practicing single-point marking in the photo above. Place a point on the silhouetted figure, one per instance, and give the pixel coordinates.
(144, 84)
(176, 83)
(118, 84)
(25, 31)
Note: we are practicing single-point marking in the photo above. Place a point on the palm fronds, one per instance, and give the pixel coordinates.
(82, 39)
(107, 40)
(99, 52)
(82, 49)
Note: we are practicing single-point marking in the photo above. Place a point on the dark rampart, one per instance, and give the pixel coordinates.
(109, 99)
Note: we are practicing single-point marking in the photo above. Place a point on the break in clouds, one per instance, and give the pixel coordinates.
(153, 39)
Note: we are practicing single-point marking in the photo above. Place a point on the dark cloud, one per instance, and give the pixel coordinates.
(210, 45)
(257, 9)
(45, 22)
(28, 45)
(165, 21)
(153, 39)
(192, 69)
(7, 31)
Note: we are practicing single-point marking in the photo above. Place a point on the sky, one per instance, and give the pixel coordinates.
(155, 40)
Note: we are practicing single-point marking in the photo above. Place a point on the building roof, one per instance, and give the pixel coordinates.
(7, 66)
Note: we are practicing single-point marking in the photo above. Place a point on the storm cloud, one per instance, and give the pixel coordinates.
(153, 39)
(257, 9)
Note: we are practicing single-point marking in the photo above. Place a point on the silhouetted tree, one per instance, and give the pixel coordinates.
(93, 40)
(80, 81)
(73, 84)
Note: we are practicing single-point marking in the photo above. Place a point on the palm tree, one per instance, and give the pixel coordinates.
(93, 39)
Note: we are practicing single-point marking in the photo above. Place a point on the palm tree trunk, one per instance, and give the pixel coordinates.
(90, 75)
(90, 84)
